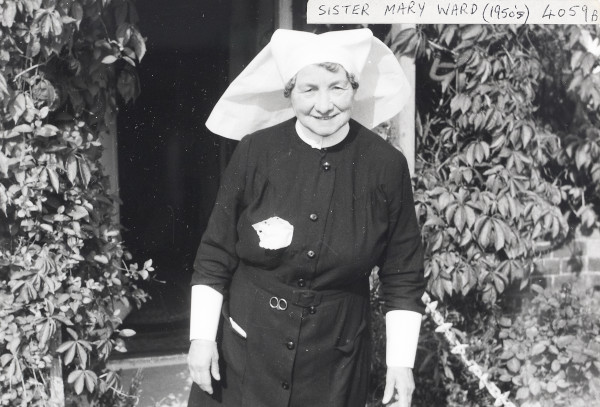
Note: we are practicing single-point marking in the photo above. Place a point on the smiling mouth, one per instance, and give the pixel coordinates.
(324, 117)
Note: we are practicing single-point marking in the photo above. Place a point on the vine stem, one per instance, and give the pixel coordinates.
(27, 70)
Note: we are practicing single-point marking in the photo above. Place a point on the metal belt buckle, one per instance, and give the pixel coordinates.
(279, 304)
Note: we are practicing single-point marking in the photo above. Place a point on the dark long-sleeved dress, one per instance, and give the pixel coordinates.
(351, 207)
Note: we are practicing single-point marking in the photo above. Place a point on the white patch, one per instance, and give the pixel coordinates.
(274, 233)
(237, 328)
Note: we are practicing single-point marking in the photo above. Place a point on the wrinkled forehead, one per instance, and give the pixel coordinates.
(320, 73)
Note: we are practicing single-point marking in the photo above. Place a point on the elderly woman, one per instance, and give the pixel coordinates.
(310, 202)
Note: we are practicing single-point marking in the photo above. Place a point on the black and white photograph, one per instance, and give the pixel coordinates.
(299, 203)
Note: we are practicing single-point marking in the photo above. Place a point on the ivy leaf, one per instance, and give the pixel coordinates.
(101, 258)
(63, 319)
(400, 44)
(499, 237)
(77, 378)
(46, 330)
(78, 212)
(514, 365)
(582, 156)
(123, 33)
(49, 22)
(526, 135)
(47, 130)
(84, 171)
(71, 166)
(109, 59)
(126, 333)
(3, 87)
(82, 352)
(3, 165)
(53, 178)
(471, 31)
(460, 218)
(538, 348)
(485, 233)
(68, 348)
(90, 380)
(534, 387)
(17, 106)
(522, 393)
(3, 199)
(8, 13)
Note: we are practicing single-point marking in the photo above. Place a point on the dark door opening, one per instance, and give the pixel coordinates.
(168, 161)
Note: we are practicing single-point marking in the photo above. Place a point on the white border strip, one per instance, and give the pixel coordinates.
(453, 12)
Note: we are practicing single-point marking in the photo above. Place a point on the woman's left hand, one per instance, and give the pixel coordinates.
(399, 386)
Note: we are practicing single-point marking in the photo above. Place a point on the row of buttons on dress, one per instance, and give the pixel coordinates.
(314, 217)
(302, 282)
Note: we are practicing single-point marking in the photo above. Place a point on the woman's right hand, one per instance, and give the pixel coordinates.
(203, 360)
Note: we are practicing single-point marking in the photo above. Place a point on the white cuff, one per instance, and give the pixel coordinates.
(205, 312)
(402, 332)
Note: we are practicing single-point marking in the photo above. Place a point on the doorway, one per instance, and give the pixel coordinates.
(169, 163)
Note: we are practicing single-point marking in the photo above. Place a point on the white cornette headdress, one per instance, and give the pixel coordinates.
(255, 100)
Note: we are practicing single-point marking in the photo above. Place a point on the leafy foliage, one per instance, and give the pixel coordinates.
(550, 352)
(62, 262)
(501, 171)
(507, 164)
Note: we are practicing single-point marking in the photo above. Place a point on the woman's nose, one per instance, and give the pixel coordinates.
(323, 103)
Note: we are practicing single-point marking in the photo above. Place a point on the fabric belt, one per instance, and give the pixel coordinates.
(304, 298)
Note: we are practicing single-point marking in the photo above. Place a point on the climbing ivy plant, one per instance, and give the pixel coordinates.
(65, 276)
(508, 148)
(508, 153)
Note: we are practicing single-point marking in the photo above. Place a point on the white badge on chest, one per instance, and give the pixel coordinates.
(274, 233)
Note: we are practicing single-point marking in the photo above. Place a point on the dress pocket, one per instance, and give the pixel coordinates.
(234, 350)
(234, 345)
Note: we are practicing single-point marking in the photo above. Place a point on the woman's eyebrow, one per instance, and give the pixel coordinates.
(340, 82)
(316, 85)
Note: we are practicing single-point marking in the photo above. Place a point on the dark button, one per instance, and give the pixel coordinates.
(301, 282)
(310, 254)
(313, 216)
(290, 345)
(326, 166)
(285, 385)
(312, 310)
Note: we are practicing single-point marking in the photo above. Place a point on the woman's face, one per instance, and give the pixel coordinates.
(321, 99)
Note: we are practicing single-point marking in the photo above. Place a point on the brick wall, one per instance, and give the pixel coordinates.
(577, 262)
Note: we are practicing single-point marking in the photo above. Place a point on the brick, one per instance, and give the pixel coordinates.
(586, 281)
(580, 282)
(557, 281)
(592, 247)
(593, 264)
(575, 264)
(549, 266)
(574, 248)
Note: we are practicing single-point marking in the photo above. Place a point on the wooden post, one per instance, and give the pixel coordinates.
(110, 157)
(283, 14)
(403, 125)
(57, 389)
